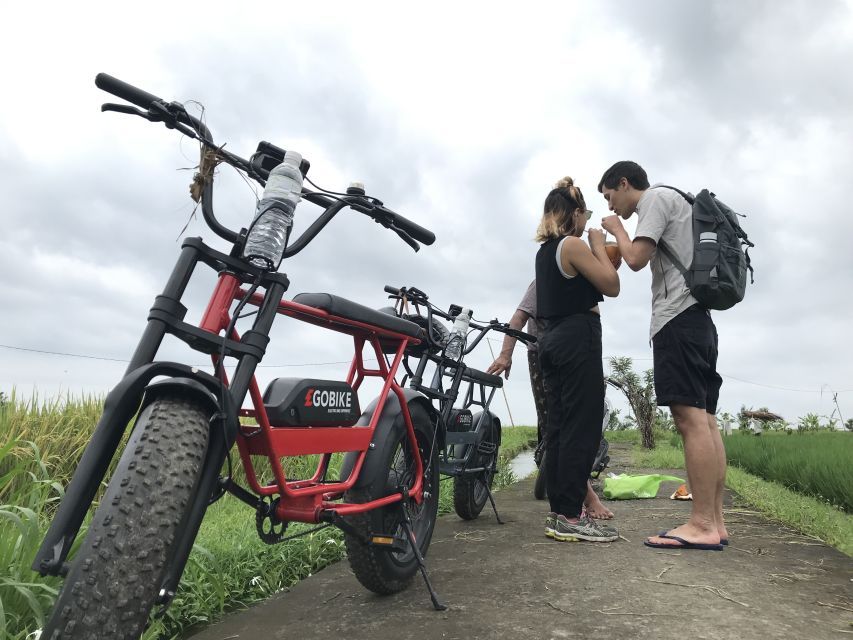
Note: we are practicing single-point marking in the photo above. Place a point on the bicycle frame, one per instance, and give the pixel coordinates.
(305, 500)
(301, 500)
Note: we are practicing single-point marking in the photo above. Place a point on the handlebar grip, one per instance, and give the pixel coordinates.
(125, 91)
(415, 230)
(526, 337)
(394, 291)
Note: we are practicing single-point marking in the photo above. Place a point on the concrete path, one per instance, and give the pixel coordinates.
(510, 581)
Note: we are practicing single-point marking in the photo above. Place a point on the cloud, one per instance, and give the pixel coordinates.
(459, 118)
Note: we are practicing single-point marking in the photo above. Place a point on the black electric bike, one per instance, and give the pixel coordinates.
(468, 441)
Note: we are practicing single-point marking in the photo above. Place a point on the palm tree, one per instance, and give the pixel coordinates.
(640, 395)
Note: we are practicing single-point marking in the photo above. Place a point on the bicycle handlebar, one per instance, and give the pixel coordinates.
(125, 91)
(408, 230)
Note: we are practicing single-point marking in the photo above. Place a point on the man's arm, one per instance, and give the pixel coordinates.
(636, 253)
(503, 363)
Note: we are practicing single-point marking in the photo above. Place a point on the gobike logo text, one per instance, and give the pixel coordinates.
(464, 419)
(328, 399)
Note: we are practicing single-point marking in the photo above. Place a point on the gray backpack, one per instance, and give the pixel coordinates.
(717, 276)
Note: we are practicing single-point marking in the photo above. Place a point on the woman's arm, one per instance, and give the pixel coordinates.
(503, 363)
(591, 262)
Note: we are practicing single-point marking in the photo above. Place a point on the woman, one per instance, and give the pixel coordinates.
(571, 279)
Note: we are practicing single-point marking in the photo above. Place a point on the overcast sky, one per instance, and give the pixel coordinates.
(461, 116)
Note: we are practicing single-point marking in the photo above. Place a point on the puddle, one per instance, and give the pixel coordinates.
(523, 465)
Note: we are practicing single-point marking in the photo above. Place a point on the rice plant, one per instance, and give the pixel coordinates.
(25, 597)
(815, 464)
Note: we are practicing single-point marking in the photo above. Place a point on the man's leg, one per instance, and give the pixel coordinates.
(720, 451)
(701, 457)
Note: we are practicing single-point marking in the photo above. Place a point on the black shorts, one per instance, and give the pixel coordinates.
(685, 361)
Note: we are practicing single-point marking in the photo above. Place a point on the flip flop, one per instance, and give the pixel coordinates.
(682, 544)
(663, 534)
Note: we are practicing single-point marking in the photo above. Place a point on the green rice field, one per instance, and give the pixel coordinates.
(815, 464)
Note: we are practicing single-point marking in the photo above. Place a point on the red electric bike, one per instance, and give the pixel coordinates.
(186, 421)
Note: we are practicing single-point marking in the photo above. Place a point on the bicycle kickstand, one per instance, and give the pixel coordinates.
(492, 500)
(407, 527)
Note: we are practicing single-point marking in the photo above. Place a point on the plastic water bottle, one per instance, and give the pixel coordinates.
(458, 334)
(274, 218)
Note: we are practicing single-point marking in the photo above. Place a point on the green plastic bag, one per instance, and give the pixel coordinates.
(625, 487)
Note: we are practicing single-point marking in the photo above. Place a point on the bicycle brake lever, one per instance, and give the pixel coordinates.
(125, 108)
(409, 240)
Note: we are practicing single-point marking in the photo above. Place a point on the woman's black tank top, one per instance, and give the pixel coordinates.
(556, 295)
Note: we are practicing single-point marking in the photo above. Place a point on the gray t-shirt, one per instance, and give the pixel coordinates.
(665, 215)
(528, 305)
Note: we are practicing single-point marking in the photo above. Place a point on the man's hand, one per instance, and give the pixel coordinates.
(613, 224)
(502, 364)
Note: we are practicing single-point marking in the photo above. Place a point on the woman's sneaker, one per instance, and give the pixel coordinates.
(550, 524)
(584, 529)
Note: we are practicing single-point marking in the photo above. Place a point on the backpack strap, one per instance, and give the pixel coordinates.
(666, 250)
(690, 199)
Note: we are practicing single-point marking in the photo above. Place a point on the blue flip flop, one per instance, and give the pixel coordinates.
(682, 544)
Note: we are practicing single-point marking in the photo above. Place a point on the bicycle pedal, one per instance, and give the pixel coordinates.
(388, 542)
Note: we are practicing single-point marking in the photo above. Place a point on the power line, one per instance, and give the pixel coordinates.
(80, 355)
(339, 362)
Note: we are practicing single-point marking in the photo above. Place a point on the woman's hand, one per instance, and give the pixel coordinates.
(501, 365)
(596, 238)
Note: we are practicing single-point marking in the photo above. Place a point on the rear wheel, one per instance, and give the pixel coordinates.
(470, 492)
(115, 577)
(380, 569)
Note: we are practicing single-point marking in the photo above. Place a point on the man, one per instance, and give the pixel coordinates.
(525, 314)
(684, 343)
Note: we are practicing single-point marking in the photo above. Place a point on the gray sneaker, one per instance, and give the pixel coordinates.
(551, 524)
(584, 529)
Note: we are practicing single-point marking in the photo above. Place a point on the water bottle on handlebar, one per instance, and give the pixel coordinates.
(269, 232)
(458, 335)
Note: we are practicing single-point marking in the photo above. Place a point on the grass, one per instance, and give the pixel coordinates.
(803, 513)
(25, 597)
(814, 464)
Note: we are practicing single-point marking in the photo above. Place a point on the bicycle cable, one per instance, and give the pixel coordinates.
(219, 372)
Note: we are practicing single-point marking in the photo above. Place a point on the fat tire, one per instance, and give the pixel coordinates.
(540, 488)
(379, 570)
(114, 579)
(469, 492)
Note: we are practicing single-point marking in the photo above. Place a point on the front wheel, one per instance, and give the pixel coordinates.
(470, 492)
(115, 577)
(380, 569)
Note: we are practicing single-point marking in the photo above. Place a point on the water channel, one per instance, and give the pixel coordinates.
(523, 465)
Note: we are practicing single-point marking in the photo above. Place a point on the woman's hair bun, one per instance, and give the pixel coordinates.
(564, 183)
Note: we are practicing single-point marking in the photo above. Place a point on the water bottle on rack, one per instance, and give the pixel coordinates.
(274, 217)
(456, 340)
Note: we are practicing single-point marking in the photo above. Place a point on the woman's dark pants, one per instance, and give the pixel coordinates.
(570, 356)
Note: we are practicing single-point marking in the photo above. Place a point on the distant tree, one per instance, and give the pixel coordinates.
(808, 422)
(640, 394)
(849, 424)
(664, 421)
(613, 422)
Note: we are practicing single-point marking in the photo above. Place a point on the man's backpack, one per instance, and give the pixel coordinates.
(717, 276)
